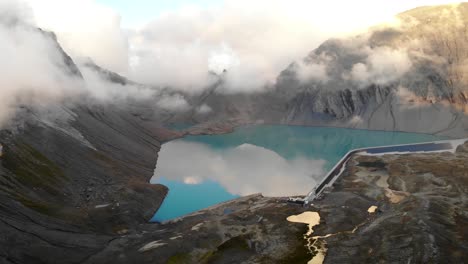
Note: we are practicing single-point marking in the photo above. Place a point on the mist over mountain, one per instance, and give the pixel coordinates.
(38, 74)
(418, 61)
(412, 66)
(393, 77)
(412, 63)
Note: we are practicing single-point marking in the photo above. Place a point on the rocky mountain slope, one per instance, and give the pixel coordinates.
(393, 77)
(67, 190)
(74, 176)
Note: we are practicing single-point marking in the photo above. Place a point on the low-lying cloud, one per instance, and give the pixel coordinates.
(37, 74)
(173, 103)
(204, 109)
(84, 28)
(383, 65)
(179, 48)
(100, 88)
(253, 41)
(312, 72)
(246, 42)
(31, 67)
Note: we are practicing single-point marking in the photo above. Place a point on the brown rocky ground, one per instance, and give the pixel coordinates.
(422, 210)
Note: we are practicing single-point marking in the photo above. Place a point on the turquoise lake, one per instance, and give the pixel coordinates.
(201, 171)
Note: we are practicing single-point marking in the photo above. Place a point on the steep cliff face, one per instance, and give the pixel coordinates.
(392, 77)
(69, 65)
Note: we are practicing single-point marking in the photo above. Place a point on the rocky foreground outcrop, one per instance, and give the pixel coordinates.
(422, 210)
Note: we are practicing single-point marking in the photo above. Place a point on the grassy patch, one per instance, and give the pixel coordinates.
(38, 206)
(235, 246)
(179, 258)
(207, 256)
(32, 168)
(300, 253)
(35, 171)
(238, 242)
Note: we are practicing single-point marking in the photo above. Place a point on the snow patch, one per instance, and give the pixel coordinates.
(152, 245)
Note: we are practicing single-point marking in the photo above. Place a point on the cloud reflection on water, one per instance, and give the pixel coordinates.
(242, 170)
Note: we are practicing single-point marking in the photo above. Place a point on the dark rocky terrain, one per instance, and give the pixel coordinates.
(53, 183)
(74, 177)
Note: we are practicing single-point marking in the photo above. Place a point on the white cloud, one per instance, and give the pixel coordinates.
(33, 70)
(13, 10)
(85, 29)
(174, 102)
(252, 43)
(243, 170)
(312, 72)
(204, 109)
(35, 73)
(105, 91)
(382, 66)
(253, 40)
(356, 120)
(222, 59)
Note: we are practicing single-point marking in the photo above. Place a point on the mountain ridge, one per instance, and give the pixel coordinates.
(432, 82)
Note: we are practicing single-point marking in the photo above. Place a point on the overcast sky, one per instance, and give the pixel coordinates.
(138, 12)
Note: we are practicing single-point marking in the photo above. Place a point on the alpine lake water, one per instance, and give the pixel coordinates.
(275, 160)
